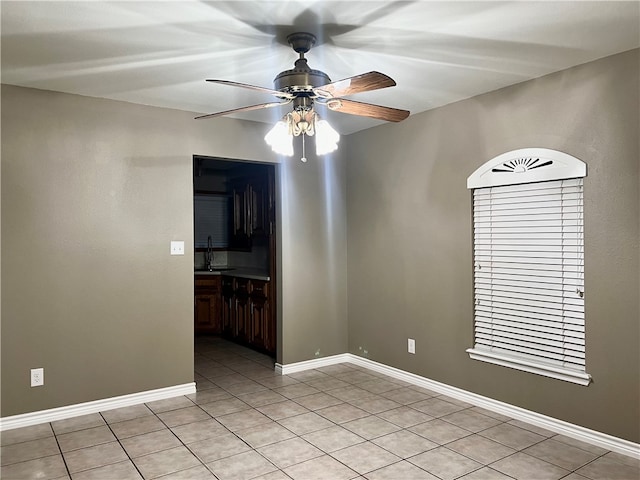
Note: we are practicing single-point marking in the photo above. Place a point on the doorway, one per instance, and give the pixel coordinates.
(235, 253)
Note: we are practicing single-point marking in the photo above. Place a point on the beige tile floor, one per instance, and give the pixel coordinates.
(336, 422)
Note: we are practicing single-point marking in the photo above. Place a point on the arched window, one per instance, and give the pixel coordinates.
(529, 263)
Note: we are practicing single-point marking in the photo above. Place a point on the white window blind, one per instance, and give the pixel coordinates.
(211, 217)
(529, 278)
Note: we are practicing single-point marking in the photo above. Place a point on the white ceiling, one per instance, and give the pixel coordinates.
(159, 53)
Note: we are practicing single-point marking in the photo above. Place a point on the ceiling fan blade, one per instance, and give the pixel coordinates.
(243, 109)
(252, 87)
(360, 83)
(366, 109)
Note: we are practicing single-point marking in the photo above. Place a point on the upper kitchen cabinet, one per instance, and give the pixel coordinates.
(258, 206)
(253, 206)
(240, 237)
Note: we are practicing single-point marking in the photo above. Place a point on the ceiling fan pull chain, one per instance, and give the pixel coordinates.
(304, 158)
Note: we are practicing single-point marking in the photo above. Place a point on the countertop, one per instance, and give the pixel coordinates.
(242, 272)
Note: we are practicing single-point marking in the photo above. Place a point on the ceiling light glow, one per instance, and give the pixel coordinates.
(303, 122)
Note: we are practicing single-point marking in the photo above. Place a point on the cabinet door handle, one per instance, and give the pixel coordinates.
(250, 216)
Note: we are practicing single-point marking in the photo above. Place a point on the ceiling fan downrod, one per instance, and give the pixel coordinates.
(301, 79)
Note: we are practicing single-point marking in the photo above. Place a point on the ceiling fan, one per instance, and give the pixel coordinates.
(305, 88)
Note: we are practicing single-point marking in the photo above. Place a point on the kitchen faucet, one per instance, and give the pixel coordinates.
(209, 255)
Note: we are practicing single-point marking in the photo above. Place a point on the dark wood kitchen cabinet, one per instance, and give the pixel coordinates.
(252, 210)
(261, 320)
(207, 304)
(227, 307)
(247, 314)
(242, 330)
(240, 237)
(258, 197)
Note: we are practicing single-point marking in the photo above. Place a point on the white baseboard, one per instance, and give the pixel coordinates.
(592, 437)
(311, 364)
(60, 413)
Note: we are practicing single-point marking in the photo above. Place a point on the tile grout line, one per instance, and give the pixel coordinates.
(64, 460)
(120, 443)
(180, 440)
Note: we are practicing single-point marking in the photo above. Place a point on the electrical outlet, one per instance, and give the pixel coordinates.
(37, 377)
(411, 345)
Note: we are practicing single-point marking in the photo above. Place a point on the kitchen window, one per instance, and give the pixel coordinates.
(211, 213)
(529, 263)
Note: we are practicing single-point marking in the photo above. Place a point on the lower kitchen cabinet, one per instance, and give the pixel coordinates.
(242, 330)
(207, 305)
(227, 308)
(259, 313)
(247, 316)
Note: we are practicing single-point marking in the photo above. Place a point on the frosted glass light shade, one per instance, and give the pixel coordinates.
(279, 139)
(326, 138)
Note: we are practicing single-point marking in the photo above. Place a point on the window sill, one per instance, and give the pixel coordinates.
(580, 378)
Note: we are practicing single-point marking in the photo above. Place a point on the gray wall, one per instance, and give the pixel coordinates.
(314, 315)
(93, 191)
(410, 237)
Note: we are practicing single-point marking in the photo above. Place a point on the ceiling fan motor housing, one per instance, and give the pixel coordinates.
(301, 78)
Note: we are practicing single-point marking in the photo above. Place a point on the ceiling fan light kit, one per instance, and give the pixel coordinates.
(304, 88)
(296, 123)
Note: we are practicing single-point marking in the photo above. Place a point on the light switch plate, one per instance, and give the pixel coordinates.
(411, 345)
(177, 247)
